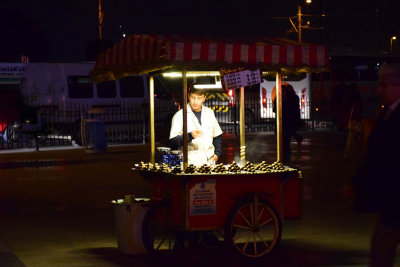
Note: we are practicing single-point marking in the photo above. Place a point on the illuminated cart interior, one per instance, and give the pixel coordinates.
(241, 204)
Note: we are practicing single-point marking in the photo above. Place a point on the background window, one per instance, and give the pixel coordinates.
(131, 86)
(10, 84)
(80, 87)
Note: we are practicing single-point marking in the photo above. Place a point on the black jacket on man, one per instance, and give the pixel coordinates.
(377, 181)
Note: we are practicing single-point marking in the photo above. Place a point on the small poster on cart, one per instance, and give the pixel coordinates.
(242, 79)
(202, 197)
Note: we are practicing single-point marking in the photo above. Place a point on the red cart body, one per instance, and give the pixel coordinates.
(204, 201)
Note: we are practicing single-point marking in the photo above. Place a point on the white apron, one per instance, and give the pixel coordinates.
(201, 149)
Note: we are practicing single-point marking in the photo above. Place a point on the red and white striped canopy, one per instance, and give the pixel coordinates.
(138, 54)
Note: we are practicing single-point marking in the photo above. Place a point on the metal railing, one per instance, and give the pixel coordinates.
(128, 123)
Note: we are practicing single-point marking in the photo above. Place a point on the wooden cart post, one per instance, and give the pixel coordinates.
(151, 106)
(242, 128)
(185, 134)
(278, 107)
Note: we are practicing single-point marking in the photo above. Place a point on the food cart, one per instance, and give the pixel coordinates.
(248, 201)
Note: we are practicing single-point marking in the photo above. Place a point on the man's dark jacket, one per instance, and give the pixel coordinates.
(377, 181)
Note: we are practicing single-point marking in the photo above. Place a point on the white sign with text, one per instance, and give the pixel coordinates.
(242, 79)
(202, 197)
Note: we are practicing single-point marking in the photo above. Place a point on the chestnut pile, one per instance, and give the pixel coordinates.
(152, 167)
(204, 169)
(277, 167)
(220, 168)
(190, 169)
(248, 167)
(234, 167)
(176, 170)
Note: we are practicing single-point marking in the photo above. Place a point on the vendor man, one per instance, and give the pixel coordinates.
(204, 132)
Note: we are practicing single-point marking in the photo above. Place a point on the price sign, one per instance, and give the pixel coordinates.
(242, 79)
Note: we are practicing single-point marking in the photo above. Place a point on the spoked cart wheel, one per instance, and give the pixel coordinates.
(253, 228)
(160, 236)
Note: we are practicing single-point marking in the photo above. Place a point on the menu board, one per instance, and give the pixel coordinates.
(242, 79)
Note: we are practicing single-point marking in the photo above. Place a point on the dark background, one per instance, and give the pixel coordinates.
(67, 30)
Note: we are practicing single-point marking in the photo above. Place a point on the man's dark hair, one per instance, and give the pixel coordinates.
(193, 90)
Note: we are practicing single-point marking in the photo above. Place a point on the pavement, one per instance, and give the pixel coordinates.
(55, 207)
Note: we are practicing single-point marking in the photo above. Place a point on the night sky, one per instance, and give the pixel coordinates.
(62, 30)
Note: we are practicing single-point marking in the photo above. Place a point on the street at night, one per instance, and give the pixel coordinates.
(56, 207)
(159, 133)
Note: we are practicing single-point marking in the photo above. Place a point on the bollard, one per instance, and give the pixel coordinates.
(37, 142)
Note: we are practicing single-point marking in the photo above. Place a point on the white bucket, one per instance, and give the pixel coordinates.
(128, 222)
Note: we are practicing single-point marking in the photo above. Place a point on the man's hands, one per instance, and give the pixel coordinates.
(199, 133)
(196, 133)
(212, 161)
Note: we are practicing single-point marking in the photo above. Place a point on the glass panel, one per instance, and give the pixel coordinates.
(80, 87)
(8, 87)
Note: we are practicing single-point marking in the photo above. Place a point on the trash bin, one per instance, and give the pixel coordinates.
(96, 133)
(129, 215)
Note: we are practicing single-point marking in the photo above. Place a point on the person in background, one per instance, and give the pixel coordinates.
(290, 119)
(204, 132)
(377, 183)
(293, 101)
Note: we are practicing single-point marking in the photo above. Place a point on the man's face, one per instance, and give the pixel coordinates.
(196, 101)
(388, 90)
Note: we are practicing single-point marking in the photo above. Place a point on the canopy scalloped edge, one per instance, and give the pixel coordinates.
(107, 73)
